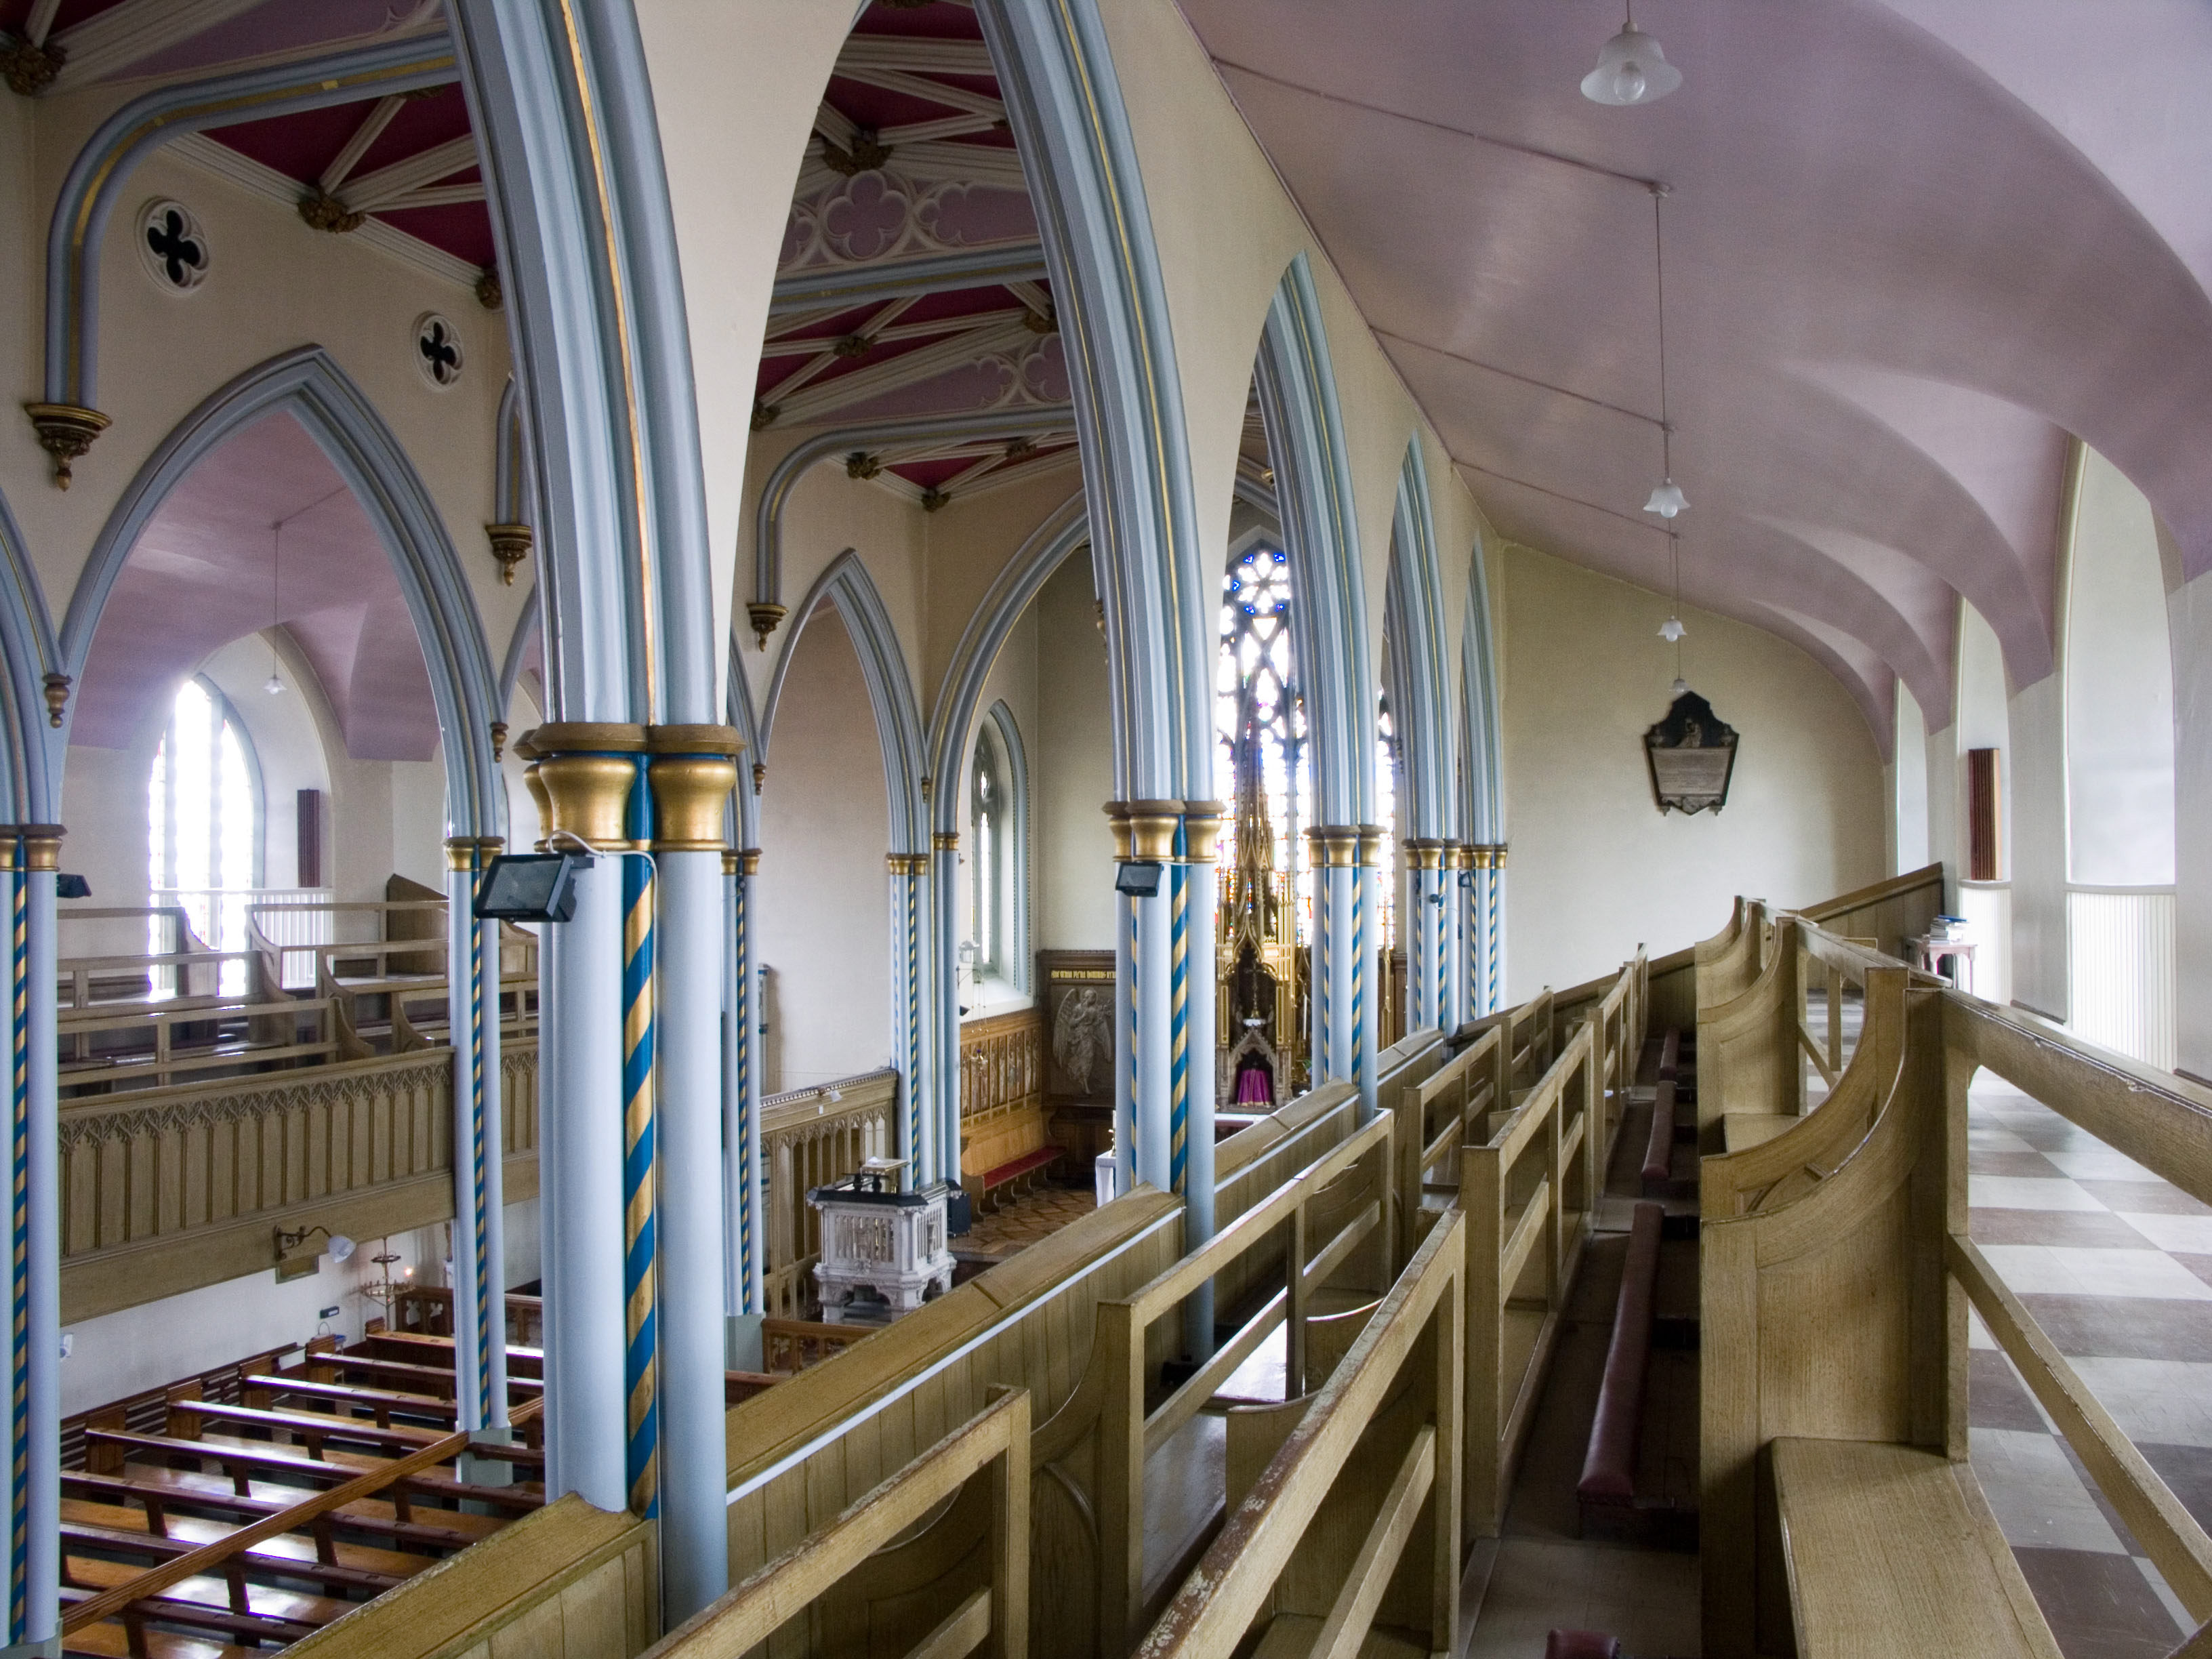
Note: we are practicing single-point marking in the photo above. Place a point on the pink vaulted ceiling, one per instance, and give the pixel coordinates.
(200, 577)
(1896, 279)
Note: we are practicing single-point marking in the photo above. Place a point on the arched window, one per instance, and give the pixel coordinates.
(989, 826)
(203, 818)
(1258, 719)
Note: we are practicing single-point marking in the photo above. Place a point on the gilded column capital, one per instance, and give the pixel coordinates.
(1371, 845)
(907, 864)
(1478, 856)
(1497, 856)
(41, 843)
(1458, 855)
(1117, 822)
(691, 772)
(1152, 827)
(1333, 846)
(1202, 830)
(946, 840)
(461, 851)
(1425, 853)
(581, 775)
(741, 861)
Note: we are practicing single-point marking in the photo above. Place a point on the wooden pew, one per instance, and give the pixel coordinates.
(1528, 1191)
(317, 1430)
(159, 1494)
(83, 1538)
(243, 1460)
(1436, 1117)
(1382, 1573)
(1606, 1497)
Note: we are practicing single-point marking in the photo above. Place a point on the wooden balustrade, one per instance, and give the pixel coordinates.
(1326, 1226)
(1436, 1118)
(163, 1191)
(1378, 1448)
(1001, 1063)
(154, 1044)
(915, 1555)
(792, 1345)
(428, 1309)
(1890, 913)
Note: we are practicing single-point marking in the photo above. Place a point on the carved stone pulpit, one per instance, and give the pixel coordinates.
(876, 1238)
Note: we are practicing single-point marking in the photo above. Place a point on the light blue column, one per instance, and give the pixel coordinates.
(744, 1195)
(1125, 1043)
(909, 1032)
(943, 987)
(33, 853)
(1197, 897)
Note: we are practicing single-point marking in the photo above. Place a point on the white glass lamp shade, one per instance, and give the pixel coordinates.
(1667, 499)
(1672, 630)
(273, 685)
(1631, 69)
(341, 1248)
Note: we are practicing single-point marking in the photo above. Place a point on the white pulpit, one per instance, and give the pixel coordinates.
(876, 1238)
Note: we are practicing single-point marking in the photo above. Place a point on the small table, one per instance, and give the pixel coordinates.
(1934, 951)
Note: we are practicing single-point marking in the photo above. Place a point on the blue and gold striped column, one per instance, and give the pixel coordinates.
(1494, 930)
(640, 1349)
(746, 1271)
(584, 775)
(1194, 989)
(479, 1243)
(1367, 940)
(1479, 999)
(29, 856)
(1339, 975)
(1126, 1165)
(908, 874)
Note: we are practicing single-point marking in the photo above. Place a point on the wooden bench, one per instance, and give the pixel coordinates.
(163, 1492)
(422, 1348)
(1606, 1496)
(1892, 1550)
(381, 1403)
(1014, 1178)
(242, 1461)
(84, 1539)
(315, 1430)
(425, 1379)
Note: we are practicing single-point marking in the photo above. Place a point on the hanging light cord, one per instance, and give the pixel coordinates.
(1659, 266)
(1675, 552)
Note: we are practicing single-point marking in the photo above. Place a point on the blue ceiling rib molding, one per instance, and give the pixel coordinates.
(767, 513)
(105, 163)
(1483, 742)
(1159, 586)
(1423, 710)
(889, 279)
(31, 748)
(1320, 532)
(309, 385)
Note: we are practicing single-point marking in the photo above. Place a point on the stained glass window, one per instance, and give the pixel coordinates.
(1257, 706)
(987, 821)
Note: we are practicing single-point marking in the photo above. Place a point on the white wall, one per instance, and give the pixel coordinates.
(2119, 668)
(2190, 609)
(2039, 847)
(1908, 775)
(1595, 868)
(823, 890)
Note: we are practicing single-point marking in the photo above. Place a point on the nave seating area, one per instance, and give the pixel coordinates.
(242, 1510)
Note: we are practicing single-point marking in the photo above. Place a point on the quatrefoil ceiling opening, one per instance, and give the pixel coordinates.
(438, 353)
(173, 245)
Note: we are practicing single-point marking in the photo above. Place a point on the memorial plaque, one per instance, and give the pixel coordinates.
(1692, 754)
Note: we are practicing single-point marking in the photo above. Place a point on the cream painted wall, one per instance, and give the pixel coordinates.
(823, 891)
(1075, 734)
(1595, 868)
(2038, 719)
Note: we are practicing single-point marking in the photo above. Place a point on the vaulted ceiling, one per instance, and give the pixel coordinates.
(1910, 247)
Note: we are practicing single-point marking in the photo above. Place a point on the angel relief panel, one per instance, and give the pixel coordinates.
(1076, 990)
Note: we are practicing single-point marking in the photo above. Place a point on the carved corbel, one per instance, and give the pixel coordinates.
(510, 545)
(65, 431)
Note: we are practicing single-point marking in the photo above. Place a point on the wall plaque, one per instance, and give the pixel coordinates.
(1692, 754)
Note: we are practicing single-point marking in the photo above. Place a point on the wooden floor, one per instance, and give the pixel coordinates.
(1014, 1226)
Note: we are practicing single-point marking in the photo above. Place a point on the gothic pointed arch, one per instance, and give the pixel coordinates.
(846, 584)
(1422, 703)
(309, 385)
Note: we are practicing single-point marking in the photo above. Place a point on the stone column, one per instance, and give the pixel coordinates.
(1424, 933)
(1458, 882)
(479, 1252)
(1334, 856)
(945, 1001)
(692, 771)
(1494, 926)
(581, 775)
(1125, 1017)
(1151, 831)
(1478, 933)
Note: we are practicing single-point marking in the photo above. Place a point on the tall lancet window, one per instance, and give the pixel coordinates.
(987, 865)
(1260, 719)
(203, 818)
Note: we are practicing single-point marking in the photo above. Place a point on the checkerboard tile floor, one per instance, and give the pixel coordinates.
(2116, 1265)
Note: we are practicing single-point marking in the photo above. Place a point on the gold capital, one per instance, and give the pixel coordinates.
(1202, 830)
(462, 850)
(1152, 827)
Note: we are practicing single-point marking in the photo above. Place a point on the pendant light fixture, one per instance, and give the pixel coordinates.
(1666, 498)
(274, 685)
(1671, 630)
(1631, 69)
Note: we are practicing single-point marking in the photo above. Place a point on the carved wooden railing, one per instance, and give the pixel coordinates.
(809, 1138)
(166, 1190)
(1001, 1063)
